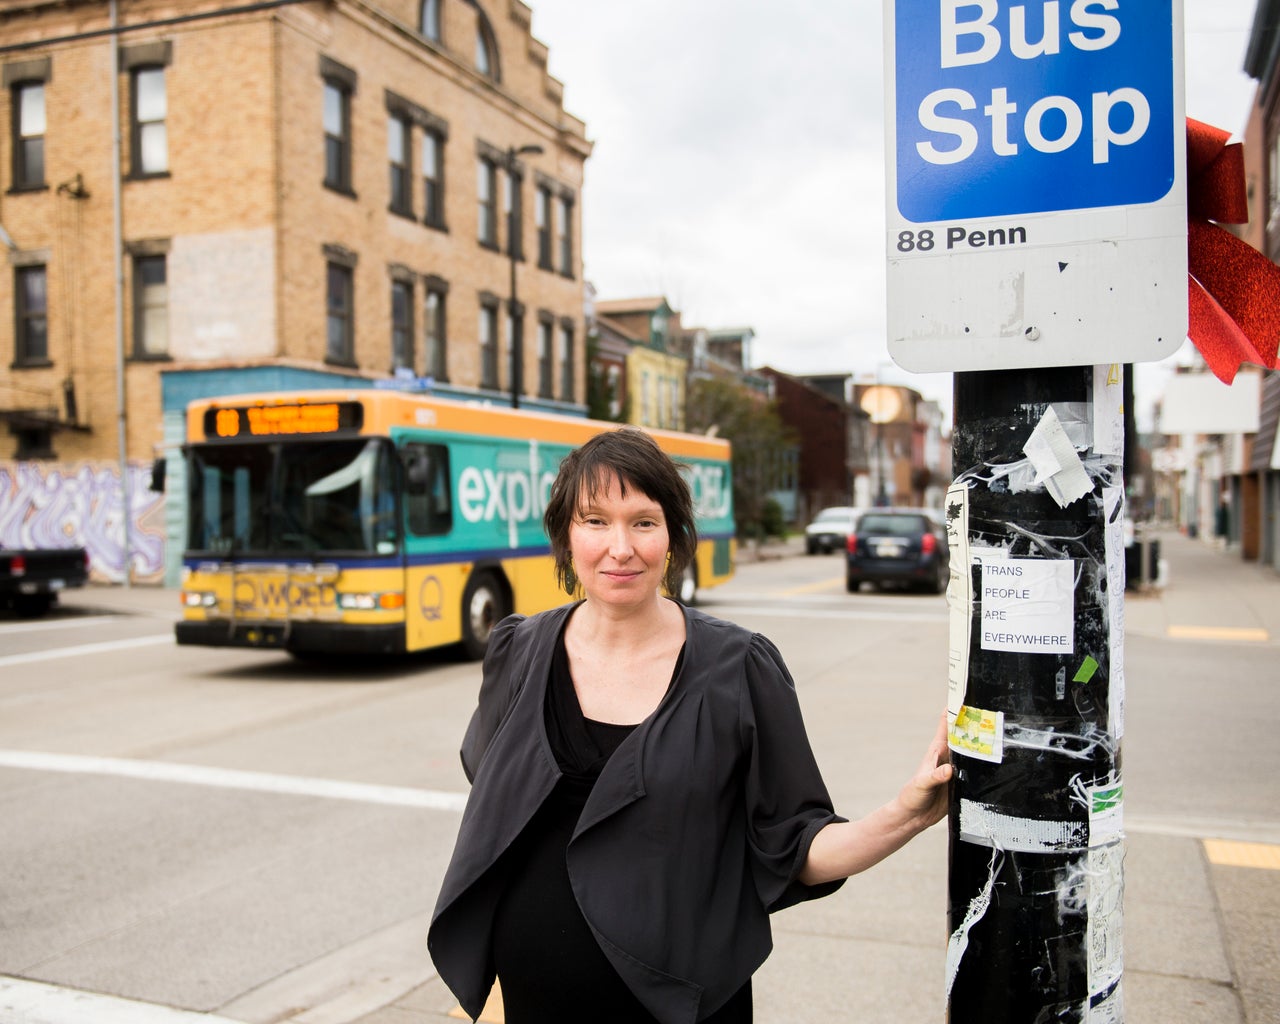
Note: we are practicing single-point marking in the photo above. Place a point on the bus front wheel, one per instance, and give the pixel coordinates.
(484, 605)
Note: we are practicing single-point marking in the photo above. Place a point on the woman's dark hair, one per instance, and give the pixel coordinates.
(636, 460)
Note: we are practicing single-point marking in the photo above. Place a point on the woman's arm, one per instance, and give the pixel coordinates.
(844, 848)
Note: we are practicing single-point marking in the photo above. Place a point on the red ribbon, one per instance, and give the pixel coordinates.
(1233, 290)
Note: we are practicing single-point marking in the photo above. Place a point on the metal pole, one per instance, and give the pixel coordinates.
(122, 414)
(882, 497)
(517, 357)
(1036, 698)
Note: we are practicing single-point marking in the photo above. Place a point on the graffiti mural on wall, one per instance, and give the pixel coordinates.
(52, 504)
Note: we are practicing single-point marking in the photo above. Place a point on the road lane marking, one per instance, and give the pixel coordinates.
(1233, 633)
(106, 647)
(230, 778)
(34, 1002)
(813, 588)
(728, 609)
(1232, 854)
(47, 624)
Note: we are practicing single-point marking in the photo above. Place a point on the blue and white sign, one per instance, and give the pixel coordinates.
(1035, 161)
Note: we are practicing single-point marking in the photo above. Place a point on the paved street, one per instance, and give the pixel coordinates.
(207, 836)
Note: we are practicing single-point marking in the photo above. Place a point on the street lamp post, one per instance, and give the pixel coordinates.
(513, 251)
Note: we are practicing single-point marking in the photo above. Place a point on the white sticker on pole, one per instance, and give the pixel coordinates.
(959, 596)
(1054, 457)
(1028, 604)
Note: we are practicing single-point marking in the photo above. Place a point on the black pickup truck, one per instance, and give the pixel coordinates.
(30, 580)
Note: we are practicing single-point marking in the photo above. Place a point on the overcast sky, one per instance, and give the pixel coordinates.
(739, 161)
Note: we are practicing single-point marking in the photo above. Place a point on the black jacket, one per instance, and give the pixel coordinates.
(693, 834)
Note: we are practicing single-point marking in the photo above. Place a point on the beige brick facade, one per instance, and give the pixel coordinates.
(243, 218)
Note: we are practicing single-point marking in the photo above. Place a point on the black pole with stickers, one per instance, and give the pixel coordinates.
(1035, 848)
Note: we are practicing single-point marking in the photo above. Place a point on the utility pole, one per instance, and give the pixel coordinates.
(1037, 695)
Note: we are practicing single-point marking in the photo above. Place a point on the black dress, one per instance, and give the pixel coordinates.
(549, 964)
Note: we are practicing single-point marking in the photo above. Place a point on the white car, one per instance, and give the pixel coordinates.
(830, 529)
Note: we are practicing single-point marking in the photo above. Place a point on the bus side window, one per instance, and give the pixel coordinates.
(428, 508)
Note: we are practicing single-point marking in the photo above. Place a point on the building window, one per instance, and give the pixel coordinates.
(31, 316)
(514, 213)
(28, 135)
(149, 139)
(486, 190)
(564, 235)
(566, 362)
(486, 49)
(546, 344)
(429, 19)
(489, 345)
(542, 214)
(337, 136)
(150, 307)
(340, 306)
(398, 160)
(433, 178)
(614, 378)
(433, 330)
(401, 325)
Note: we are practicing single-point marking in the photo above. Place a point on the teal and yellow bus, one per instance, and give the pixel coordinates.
(382, 521)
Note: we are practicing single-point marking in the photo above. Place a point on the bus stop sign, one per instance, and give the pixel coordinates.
(1036, 199)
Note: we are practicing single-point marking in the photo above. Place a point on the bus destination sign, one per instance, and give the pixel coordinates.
(276, 420)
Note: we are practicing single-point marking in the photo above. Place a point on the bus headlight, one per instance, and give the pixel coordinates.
(389, 601)
(199, 599)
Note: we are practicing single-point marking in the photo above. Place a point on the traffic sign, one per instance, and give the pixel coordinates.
(1036, 210)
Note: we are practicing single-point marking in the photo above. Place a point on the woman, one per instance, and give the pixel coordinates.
(643, 791)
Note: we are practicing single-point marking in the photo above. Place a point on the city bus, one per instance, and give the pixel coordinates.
(382, 521)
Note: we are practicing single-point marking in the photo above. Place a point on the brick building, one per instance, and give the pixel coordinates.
(309, 192)
(827, 428)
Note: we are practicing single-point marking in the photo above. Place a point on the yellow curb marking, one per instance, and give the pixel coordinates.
(1218, 633)
(1228, 853)
(813, 588)
(493, 1013)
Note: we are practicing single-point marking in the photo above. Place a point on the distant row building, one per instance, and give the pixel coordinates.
(849, 448)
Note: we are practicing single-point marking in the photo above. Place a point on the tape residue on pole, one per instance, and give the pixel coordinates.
(959, 940)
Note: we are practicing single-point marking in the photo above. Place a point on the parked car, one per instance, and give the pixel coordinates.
(30, 580)
(830, 529)
(898, 546)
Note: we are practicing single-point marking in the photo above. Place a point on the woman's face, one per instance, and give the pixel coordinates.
(619, 545)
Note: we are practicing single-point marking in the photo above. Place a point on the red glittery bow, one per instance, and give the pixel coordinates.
(1234, 290)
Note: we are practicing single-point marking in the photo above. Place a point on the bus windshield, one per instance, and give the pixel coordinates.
(299, 497)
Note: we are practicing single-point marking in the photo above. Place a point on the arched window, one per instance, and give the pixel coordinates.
(486, 48)
(429, 20)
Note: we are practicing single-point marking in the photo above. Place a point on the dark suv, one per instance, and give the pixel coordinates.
(905, 546)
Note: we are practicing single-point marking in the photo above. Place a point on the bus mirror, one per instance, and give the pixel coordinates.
(157, 475)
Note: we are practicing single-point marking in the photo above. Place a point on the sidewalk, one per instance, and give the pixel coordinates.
(1208, 593)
